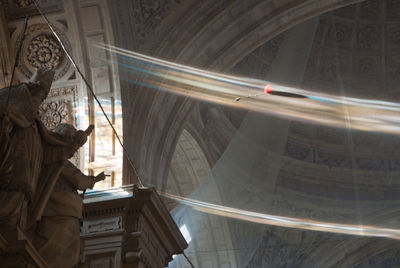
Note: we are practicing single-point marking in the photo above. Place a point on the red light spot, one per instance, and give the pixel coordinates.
(268, 88)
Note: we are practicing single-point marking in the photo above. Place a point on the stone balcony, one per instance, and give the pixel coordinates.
(121, 227)
(128, 227)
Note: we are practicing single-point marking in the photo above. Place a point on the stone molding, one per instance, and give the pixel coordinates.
(134, 224)
(17, 9)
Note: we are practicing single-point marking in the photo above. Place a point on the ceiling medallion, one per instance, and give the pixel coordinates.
(41, 49)
(44, 51)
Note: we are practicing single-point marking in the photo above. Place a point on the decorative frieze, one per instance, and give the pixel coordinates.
(61, 92)
(133, 224)
(102, 225)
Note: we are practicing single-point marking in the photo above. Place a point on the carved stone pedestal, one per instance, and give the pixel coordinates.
(128, 227)
(16, 251)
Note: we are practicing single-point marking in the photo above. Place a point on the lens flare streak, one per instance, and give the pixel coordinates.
(246, 93)
(289, 222)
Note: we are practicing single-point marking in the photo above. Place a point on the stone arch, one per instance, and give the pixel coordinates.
(188, 168)
(155, 118)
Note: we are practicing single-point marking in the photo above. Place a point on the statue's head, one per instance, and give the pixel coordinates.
(66, 131)
(40, 82)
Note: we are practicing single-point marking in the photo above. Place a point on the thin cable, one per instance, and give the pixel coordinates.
(187, 258)
(101, 107)
(16, 60)
(98, 102)
(91, 91)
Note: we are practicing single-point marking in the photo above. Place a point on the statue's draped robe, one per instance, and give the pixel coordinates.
(29, 145)
(59, 229)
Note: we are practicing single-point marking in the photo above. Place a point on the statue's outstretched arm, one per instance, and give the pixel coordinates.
(77, 178)
(58, 153)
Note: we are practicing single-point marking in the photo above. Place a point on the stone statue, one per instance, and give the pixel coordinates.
(57, 235)
(28, 151)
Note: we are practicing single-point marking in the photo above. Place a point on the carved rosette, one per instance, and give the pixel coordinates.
(59, 108)
(368, 37)
(41, 49)
(149, 16)
(44, 51)
(54, 113)
(370, 10)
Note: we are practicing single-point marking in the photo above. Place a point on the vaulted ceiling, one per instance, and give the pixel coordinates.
(175, 141)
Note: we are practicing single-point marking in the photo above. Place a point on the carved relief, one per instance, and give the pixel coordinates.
(59, 108)
(366, 68)
(301, 130)
(275, 250)
(150, 8)
(368, 37)
(393, 36)
(296, 210)
(331, 159)
(56, 112)
(23, 3)
(393, 9)
(372, 164)
(41, 49)
(102, 225)
(329, 135)
(330, 68)
(339, 34)
(257, 64)
(61, 92)
(272, 48)
(149, 15)
(393, 68)
(395, 164)
(44, 51)
(370, 10)
(297, 151)
(325, 155)
(347, 54)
